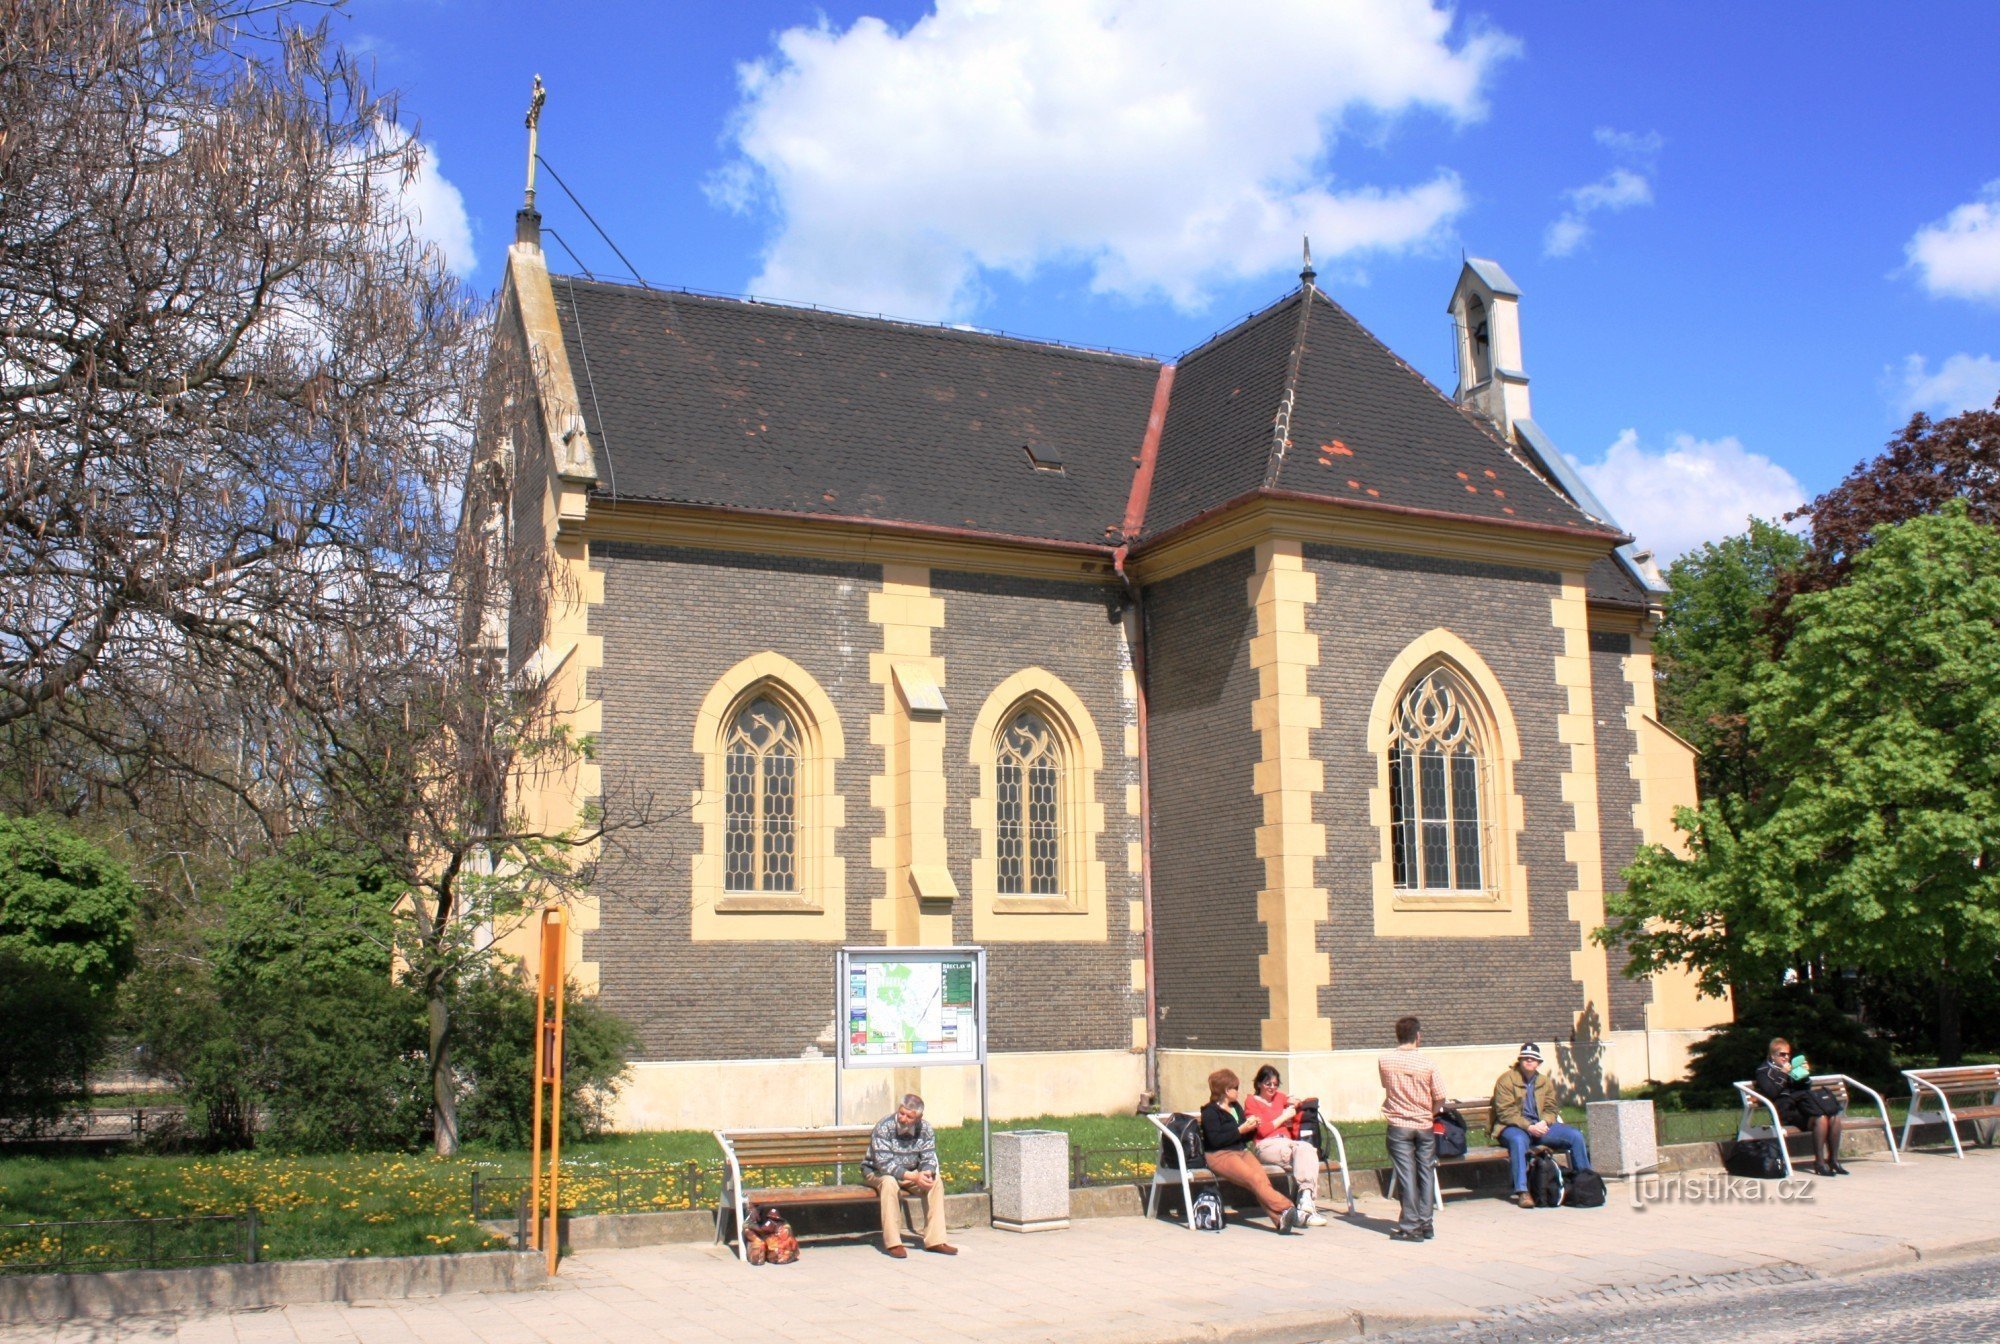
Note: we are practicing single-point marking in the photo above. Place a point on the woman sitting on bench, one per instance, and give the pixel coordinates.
(1800, 1105)
(1225, 1135)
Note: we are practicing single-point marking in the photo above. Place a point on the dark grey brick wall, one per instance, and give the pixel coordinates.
(1611, 696)
(673, 621)
(1467, 990)
(1203, 752)
(1045, 996)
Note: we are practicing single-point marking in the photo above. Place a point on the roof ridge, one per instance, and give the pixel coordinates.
(1281, 422)
(1477, 421)
(819, 312)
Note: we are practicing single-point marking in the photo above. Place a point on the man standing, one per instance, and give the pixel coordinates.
(902, 1159)
(1525, 1113)
(1412, 1095)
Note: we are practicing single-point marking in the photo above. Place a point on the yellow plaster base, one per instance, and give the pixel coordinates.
(719, 1094)
(1350, 1087)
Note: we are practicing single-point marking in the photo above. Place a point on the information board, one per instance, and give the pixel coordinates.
(911, 1006)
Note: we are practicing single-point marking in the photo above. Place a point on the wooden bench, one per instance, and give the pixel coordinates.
(1842, 1088)
(1179, 1172)
(1478, 1116)
(1969, 1083)
(835, 1147)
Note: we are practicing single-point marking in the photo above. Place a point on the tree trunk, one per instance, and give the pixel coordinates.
(1951, 1046)
(444, 1091)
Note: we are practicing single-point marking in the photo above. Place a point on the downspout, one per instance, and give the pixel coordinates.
(1135, 640)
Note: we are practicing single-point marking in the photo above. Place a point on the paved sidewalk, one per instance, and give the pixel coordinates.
(1120, 1280)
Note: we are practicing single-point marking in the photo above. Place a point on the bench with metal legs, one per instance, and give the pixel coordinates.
(1842, 1087)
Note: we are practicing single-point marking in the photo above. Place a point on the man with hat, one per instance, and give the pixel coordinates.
(1525, 1114)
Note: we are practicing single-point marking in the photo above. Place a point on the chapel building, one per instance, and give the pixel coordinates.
(1237, 705)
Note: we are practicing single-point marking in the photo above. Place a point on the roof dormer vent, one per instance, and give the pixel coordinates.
(1044, 457)
(1486, 313)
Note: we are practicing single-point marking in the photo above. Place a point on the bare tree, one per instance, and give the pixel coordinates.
(243, 554)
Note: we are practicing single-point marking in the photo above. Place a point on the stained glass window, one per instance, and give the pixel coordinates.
(1029, 802)
(1436, 838)
(761, 800)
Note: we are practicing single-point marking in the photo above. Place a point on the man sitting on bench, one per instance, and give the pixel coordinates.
(902, 1159)
(1525, 1114)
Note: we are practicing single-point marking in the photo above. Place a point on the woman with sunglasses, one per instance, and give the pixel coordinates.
(1802, 1106)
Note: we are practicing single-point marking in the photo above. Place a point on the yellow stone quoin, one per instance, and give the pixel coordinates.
(1291, 905)
(1576, 728)
(915, 906)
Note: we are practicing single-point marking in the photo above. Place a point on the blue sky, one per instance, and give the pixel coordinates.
(1751, 238)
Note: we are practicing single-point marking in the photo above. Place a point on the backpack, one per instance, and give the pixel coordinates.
(1757, 1159)
(1186, 1128)
(1545, 1179)
(1208, 1212)
(768, 1239)
(1584, 1191)
(1449, 1129)
(1312, 1130)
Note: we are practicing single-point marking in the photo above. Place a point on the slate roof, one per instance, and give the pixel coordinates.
(1302, 399)
(744, 405)
(741, 405)
(1609, 583)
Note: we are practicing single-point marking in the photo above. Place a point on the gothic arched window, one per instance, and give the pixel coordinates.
(1029, 782)
(760, 800)
(1437, 782)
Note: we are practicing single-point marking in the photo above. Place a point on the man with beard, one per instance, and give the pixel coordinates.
(902, 1159)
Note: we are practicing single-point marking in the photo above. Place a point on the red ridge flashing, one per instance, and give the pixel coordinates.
(1149, 455)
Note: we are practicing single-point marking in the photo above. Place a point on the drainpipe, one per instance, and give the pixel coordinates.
(1135, 640)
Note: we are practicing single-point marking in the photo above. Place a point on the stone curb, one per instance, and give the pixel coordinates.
(138, 1292)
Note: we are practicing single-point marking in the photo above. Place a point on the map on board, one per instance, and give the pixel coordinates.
(912, 1010)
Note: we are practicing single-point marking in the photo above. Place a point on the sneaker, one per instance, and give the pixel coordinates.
(1315, 1219)
(1428, 1231)
(1524, 1199)
(1398, 1234)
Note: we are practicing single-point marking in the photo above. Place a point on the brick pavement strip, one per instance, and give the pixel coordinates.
(1128, 1281)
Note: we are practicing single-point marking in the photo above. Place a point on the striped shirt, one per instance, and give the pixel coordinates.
(1412, 1091)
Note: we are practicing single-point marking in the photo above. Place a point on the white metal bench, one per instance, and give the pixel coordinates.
(1968, 1082)
(832, 1148)
(1185, 1178)
(1839, 1084)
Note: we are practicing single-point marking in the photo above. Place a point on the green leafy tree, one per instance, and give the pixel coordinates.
(1713, 636)
(496, 1054)
(1880, 724)
(67, 910)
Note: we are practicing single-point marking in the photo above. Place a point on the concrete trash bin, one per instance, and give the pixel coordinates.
(1623, 1139)
(1031, 1180)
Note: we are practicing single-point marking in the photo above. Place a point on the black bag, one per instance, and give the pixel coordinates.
(1312, 1130)
(1449, 1129)
(1186, 1128)
(1545, 1179)
(1757, 1159)
(1208, 1212)
(1585, 1190)
(1824, 1101)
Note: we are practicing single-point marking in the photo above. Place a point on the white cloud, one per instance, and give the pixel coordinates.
(433, 205)
(1692, 491)
(1959, 255)
(1163, 145)
(1622, 188)
(1962, 383)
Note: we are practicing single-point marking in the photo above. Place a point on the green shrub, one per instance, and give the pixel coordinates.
(1833, 1042)
(67, 910)
(495, 1055)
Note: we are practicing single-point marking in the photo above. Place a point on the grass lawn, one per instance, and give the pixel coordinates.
(414, 1204)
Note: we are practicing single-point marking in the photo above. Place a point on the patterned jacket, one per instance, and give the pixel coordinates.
(893, 1154)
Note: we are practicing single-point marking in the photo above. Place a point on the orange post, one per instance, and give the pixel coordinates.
(548, 1076)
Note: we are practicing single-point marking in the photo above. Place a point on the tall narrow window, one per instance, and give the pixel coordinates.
(1028, 781)
(1437, 839)
(760, 800)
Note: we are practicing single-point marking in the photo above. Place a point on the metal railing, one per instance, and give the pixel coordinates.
(128, 1243)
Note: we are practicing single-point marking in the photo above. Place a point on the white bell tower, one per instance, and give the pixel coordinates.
(1486, 310)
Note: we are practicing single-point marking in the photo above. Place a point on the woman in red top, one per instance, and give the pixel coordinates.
(1277, 1118)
